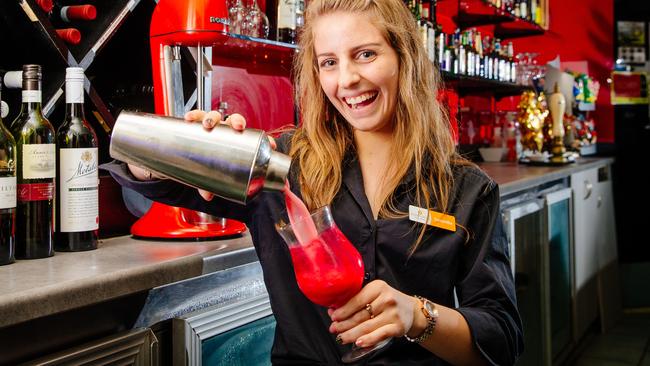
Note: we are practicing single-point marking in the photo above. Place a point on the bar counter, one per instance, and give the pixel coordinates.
(514, 177)
(34, 288)
(32, 291)
(120, 266)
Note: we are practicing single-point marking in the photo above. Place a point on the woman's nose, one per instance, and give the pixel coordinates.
(348, 75)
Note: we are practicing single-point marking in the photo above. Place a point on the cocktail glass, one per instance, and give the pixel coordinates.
(329, 269)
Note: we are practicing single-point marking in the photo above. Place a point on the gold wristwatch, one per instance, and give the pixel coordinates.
(430, 312)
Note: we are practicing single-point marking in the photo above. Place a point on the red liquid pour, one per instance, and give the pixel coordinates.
(299, 217)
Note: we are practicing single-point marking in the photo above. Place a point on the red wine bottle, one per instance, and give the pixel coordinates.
(75, 12)
(7, 195)
(46, 5)
(69, 35)
(36, 154)
(77, 209)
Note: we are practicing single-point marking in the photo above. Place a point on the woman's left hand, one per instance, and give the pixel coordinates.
(390, 314)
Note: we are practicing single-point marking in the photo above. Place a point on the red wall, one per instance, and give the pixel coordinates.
(581, 31)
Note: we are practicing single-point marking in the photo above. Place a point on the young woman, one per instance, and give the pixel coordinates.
(374, 143)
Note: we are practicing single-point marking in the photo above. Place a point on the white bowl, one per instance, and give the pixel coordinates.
(492, 153)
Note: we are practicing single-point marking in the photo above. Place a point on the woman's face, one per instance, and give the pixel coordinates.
(358, 70)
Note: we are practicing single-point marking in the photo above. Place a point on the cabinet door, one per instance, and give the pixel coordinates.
(606, 237)
(527, 235)
(584, 185)
(609, 291)
(585, 219)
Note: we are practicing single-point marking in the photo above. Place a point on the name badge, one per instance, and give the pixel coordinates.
(433, 218)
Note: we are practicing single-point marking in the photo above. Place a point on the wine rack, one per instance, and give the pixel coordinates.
(114, 52)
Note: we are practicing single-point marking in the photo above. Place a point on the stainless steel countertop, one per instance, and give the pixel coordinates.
(35, 288)
(514, 177)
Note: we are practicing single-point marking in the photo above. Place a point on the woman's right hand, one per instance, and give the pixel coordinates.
(209, 120)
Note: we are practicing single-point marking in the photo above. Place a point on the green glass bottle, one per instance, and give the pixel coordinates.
(36, 155)
(7, 194)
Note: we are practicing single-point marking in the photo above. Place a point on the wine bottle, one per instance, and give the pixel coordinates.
(77, 209)
(69, 35)
(46, 5)
(70, 13)
(35, 152)
(287, 21)
(12, 79)
(7, 194)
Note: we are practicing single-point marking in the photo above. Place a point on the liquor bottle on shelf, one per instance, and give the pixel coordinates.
(287, 20)
(534, 11)
(77, 208)
(471, 52)
(36, 154)
(7, 195)
(427, 31)
(454, 47)
(512, 63)
(69, 35)
(441, 46)
(479, 67)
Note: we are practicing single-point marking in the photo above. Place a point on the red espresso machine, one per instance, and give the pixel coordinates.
(199, 24)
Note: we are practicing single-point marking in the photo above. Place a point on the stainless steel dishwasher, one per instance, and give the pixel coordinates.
(525, 221)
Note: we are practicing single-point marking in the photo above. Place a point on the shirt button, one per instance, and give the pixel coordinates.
(366, 276)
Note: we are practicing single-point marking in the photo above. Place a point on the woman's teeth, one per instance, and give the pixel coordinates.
(356, 101)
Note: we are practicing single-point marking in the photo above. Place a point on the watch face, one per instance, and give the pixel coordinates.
(430, 308)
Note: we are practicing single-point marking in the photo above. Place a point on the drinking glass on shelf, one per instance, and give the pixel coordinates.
(237, 16)
(329, 269)
(257, 23)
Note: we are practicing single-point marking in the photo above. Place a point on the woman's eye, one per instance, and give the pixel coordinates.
(366, 54)
(327, 63)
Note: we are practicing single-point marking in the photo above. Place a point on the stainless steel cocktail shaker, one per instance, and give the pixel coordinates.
(234, 165)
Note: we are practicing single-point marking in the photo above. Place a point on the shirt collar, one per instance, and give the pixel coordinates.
(353, 181)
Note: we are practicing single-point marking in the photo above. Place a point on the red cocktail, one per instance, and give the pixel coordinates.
(328, 268)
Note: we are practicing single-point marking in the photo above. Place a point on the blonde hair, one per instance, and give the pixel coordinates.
(421, 131)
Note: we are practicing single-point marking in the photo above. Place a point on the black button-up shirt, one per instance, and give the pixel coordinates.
(474, 261)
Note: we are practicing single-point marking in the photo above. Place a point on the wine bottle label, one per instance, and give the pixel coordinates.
(35, 192)
(31, 96)
(39, 161)
(7, 192)
(287, 14)
(79, 185)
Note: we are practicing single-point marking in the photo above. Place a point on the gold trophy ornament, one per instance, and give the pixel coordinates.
(531, 117)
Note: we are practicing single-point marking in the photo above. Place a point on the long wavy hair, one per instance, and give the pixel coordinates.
(422, 136)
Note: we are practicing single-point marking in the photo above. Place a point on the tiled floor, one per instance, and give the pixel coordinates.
(627, 344)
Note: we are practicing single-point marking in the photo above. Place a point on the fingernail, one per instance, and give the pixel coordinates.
(332, 329)
(330, 311)
(359, 342)
(339, 340)
(209, 121)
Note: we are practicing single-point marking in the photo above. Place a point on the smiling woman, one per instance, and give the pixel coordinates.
(374, 145)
